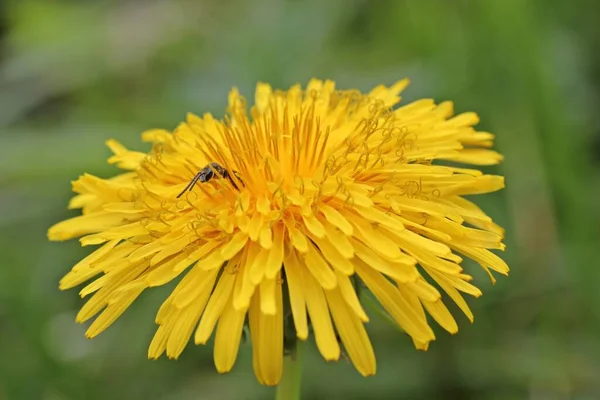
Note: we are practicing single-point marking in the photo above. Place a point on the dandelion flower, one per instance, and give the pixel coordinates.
(282, 218)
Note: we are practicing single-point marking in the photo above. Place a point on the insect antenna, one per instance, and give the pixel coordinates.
(190, 185)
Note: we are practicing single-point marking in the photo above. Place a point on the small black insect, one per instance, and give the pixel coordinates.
(206, 174)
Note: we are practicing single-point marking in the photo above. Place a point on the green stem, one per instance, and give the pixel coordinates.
(289, 385)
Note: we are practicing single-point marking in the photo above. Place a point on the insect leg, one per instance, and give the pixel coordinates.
(237, 175)
(232, 182)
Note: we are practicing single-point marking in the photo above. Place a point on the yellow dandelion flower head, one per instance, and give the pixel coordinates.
(281, 218)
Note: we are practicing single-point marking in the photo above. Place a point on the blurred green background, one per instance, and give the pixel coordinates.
(74, 73)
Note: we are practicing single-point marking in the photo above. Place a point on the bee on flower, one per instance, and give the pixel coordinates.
(279, 218)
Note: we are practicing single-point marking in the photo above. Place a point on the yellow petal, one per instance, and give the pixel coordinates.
(192, 286)
(484, 257)
(197, 254)
(244, 287)
(84, 224)
(374, 238)
(184, 325)
(159, 341)
(124, 207)
(320, 319)
(377, 216)
(213, 261)
(339, 240)
(216, 304)
(348, 293)
(333, 256)
(255, 332)
(436, 263)
(227, 338)
(423, 290)
(314, 226)
(255, 226)
(165, 272)
(440, 313)
(319, 268)
(453, 293)
(110, 284)
(258, 266)
(267, 297)
(266, 238)
(297, 238)
(336, 219)
(400, 272)
(402, 312)
(267, 340)
(477, 157)
(111, 313)
(233, 247)
(353, 334)
(82, 271)
(408, 238)
(293, 276)
(275, 258)
(120, 232)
